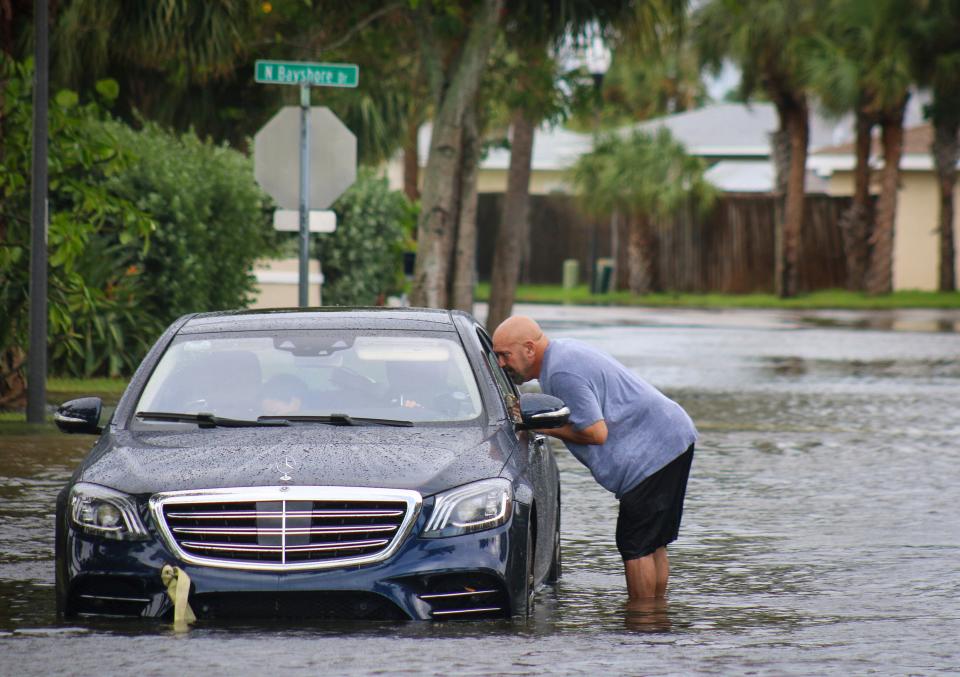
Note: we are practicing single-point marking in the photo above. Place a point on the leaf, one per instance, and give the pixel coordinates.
(109, 89)
(66, 98)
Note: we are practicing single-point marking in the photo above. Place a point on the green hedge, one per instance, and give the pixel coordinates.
(362, 261)
(212, 220)
(144, 226)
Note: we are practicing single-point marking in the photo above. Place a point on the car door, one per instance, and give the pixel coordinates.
(542, 467)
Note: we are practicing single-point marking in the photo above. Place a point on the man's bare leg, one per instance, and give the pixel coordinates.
(663, 570)
(647, 576)
(641, 577)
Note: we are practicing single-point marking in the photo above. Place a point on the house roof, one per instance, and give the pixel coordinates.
(916, 153)
(720, 131)
(739, 130)
(723, 130)
(754, 176)
(916, 141)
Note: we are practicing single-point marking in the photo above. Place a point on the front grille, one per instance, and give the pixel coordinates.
(285, 528)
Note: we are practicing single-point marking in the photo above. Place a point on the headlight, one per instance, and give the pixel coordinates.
(473, 507)
(105, 512)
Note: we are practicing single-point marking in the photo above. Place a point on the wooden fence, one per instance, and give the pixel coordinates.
(730, 248)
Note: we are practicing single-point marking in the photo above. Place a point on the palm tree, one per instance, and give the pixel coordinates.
(455, 62)
(936, 51)
(766, 40)
(645, 177)
(533, 30)
(176, 61)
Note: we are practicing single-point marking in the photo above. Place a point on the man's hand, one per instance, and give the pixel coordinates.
(595, 433)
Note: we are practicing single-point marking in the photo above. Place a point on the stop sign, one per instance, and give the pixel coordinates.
(332, 153)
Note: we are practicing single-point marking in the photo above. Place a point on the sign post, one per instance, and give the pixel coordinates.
(305, 75)
(305, 194)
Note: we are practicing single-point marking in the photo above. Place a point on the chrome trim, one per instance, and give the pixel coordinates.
(137, 600)
(316, 547)
(478, 610)
(297, 531)
(253, 514)
(60, 418)
(413, 500)
(562, 411)
(448, 595)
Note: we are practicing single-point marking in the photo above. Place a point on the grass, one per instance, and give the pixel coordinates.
(87, 386)
(826, 299)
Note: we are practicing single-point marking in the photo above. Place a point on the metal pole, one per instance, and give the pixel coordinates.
(37, 358)
(304, 194)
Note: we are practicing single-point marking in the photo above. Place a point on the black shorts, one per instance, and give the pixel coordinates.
(650, 512)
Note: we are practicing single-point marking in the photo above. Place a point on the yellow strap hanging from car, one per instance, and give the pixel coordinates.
(177, 583)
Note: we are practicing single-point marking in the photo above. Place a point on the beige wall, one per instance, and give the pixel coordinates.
(541, 182)
(278, 283)
(492, 180)
(916, 256)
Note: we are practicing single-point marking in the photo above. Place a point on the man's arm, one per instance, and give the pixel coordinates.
(595, 433)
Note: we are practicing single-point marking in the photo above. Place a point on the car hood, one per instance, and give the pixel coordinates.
(425, 459)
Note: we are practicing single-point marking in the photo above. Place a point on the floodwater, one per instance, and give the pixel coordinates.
(821, 531)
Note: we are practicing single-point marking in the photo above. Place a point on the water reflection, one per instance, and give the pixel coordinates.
(647, 615)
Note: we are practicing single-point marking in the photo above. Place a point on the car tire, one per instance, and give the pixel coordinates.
(556, 565)
(531, 586)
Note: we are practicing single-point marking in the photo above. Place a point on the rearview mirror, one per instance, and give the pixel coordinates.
(540, 411)
(80, 416)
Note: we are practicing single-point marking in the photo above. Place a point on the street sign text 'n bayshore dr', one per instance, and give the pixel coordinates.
(303, 73)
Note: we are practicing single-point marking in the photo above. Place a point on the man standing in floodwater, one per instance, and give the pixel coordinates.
(636, 442)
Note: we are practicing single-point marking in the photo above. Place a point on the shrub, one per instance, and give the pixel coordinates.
(212, 220)
(362, 261)
(95, 238)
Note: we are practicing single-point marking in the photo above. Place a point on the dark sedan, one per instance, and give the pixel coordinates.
(333, 463)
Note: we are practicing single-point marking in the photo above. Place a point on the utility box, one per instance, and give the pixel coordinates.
(571, 274)
(603, 280)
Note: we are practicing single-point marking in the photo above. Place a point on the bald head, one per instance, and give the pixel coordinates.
(518, 328)
(519, 344)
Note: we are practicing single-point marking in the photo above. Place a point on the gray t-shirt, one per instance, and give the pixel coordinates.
(645, 429)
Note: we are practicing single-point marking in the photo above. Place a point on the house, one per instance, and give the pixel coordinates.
(916, 240)
(734, 140)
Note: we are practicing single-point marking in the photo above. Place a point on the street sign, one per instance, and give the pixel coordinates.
(333, 154)
(304, 73)
(288, 220)
(332, 157)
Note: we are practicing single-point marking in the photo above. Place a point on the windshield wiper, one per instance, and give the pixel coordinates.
(205, 420)
(338, 419)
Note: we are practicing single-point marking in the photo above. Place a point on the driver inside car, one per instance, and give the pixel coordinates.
(282, 395)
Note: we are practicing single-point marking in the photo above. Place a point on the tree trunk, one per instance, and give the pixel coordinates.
(780, 154)
(442, 180)
(946, 153)
(795, 119)
(856, 225)
(514, 224)
(465, 252)
(621, 262)
(13, 384)
(640, 250)
(411, 161)
(880, 274)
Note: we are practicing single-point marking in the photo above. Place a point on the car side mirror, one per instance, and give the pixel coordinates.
(80, 416)
(540, 411)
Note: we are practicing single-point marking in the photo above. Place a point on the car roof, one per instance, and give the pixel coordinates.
(410, 319)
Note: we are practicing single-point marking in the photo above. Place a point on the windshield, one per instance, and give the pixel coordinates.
(363, 374)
